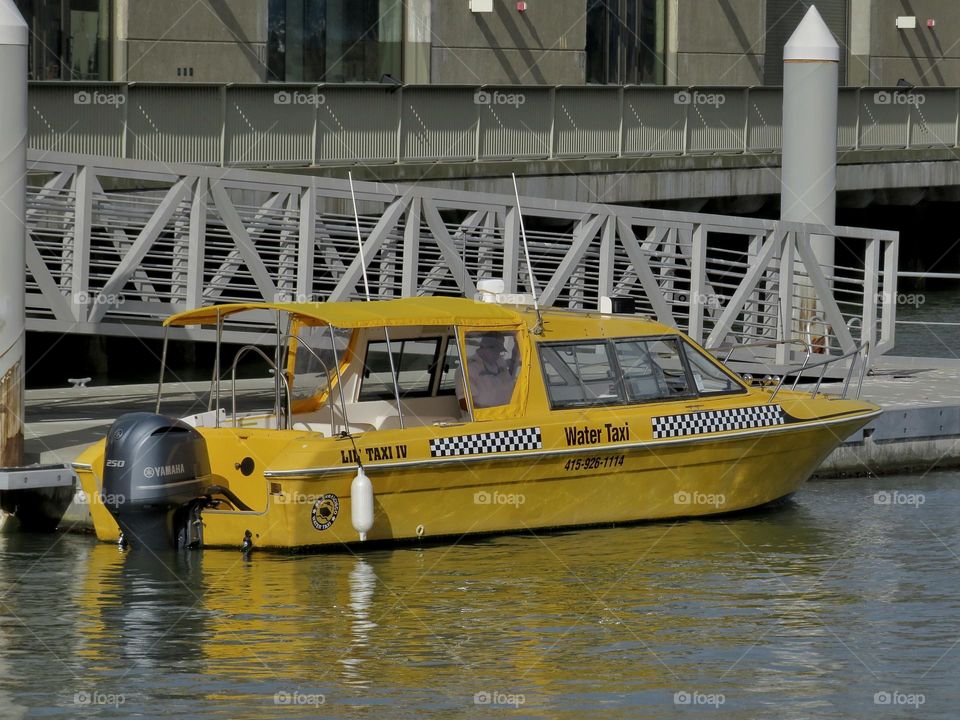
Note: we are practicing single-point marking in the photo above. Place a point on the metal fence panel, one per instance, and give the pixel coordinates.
(78, 117)
(439, 123)
(933, 117)
(715, 119)
(267, 125)
(357, 124)
(586, 121)
(764, 119)
(175, 123)
(257, 243)
(653, 121)
(884, 114)
(848, 110)
(514, 122)
(344, 124)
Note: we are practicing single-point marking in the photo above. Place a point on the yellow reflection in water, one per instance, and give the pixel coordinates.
(642, 610)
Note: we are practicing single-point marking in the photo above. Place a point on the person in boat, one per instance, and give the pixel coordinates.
(492, 376)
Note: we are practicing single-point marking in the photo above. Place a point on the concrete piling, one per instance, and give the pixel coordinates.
(13, 163)
(808, 180)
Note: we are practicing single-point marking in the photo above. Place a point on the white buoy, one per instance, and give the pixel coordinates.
(13, 164)
(361, 503)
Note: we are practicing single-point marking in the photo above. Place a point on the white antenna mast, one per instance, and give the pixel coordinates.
(366, 287)
(538, 328)
(356, 222)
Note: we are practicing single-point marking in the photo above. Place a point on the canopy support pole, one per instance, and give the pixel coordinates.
(163, 366)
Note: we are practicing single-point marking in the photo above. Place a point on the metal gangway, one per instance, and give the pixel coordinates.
(115, 245)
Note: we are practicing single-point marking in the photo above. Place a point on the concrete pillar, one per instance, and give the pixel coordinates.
(672, 10)
(13, 185)
(417, 42)
(858, 67)
(808, 189)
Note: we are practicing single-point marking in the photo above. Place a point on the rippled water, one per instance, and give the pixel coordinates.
(928, 339)
(805, 611)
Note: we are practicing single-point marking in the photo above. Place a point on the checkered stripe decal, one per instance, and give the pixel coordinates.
(491, 442)
(710, 421)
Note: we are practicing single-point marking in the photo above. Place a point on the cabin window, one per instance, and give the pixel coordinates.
(652, 369)
(579, 374)
(493, 359)
(708, 377)
(414, 360)
(628, 371)
(314, 366)
(450, 372)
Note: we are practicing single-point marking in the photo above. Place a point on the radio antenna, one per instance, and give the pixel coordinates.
(366, 287)
(356, 222)
(538, 328)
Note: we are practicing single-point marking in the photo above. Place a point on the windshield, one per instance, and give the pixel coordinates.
(314, 367)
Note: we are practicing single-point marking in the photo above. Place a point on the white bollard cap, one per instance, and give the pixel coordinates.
(812, 41)
(13, 29)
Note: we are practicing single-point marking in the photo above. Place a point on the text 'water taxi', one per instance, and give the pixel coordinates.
(439, 417)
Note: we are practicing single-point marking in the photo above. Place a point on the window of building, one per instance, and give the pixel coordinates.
(625, 42)
(334, 40)
(69, 39)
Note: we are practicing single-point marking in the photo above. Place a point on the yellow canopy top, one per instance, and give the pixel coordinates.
(431, 311)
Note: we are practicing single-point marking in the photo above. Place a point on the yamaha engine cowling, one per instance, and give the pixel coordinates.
(153, 466)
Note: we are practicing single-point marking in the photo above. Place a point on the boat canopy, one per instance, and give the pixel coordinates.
(425, 311)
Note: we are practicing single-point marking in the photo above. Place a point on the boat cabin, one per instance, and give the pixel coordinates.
(360, 367)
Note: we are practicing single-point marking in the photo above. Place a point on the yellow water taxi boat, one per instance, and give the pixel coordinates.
(438, 417)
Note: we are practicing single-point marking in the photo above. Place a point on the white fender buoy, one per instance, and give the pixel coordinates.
(361, 503)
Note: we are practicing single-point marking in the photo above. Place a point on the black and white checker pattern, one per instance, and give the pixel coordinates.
(491, 442)
(711, 421)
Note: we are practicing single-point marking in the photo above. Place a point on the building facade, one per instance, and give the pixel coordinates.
(572, 42)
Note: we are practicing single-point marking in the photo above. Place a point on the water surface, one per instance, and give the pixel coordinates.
(827, 607)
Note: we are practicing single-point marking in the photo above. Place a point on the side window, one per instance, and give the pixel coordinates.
(493, 360)
(450, 372)
(579, 374)
(314, 366)
(414, 360)
(652, 369)
(707, 376)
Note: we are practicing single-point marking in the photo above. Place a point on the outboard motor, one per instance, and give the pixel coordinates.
(154, 466)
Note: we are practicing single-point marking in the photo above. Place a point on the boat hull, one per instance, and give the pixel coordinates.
(558, 488)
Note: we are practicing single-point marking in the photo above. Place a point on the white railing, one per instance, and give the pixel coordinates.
(105, 259)
(300, 125)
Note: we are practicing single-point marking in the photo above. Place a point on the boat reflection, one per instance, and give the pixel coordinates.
(518, 616)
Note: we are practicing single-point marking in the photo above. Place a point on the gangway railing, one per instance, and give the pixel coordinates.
(104, 259)
(307, 125)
